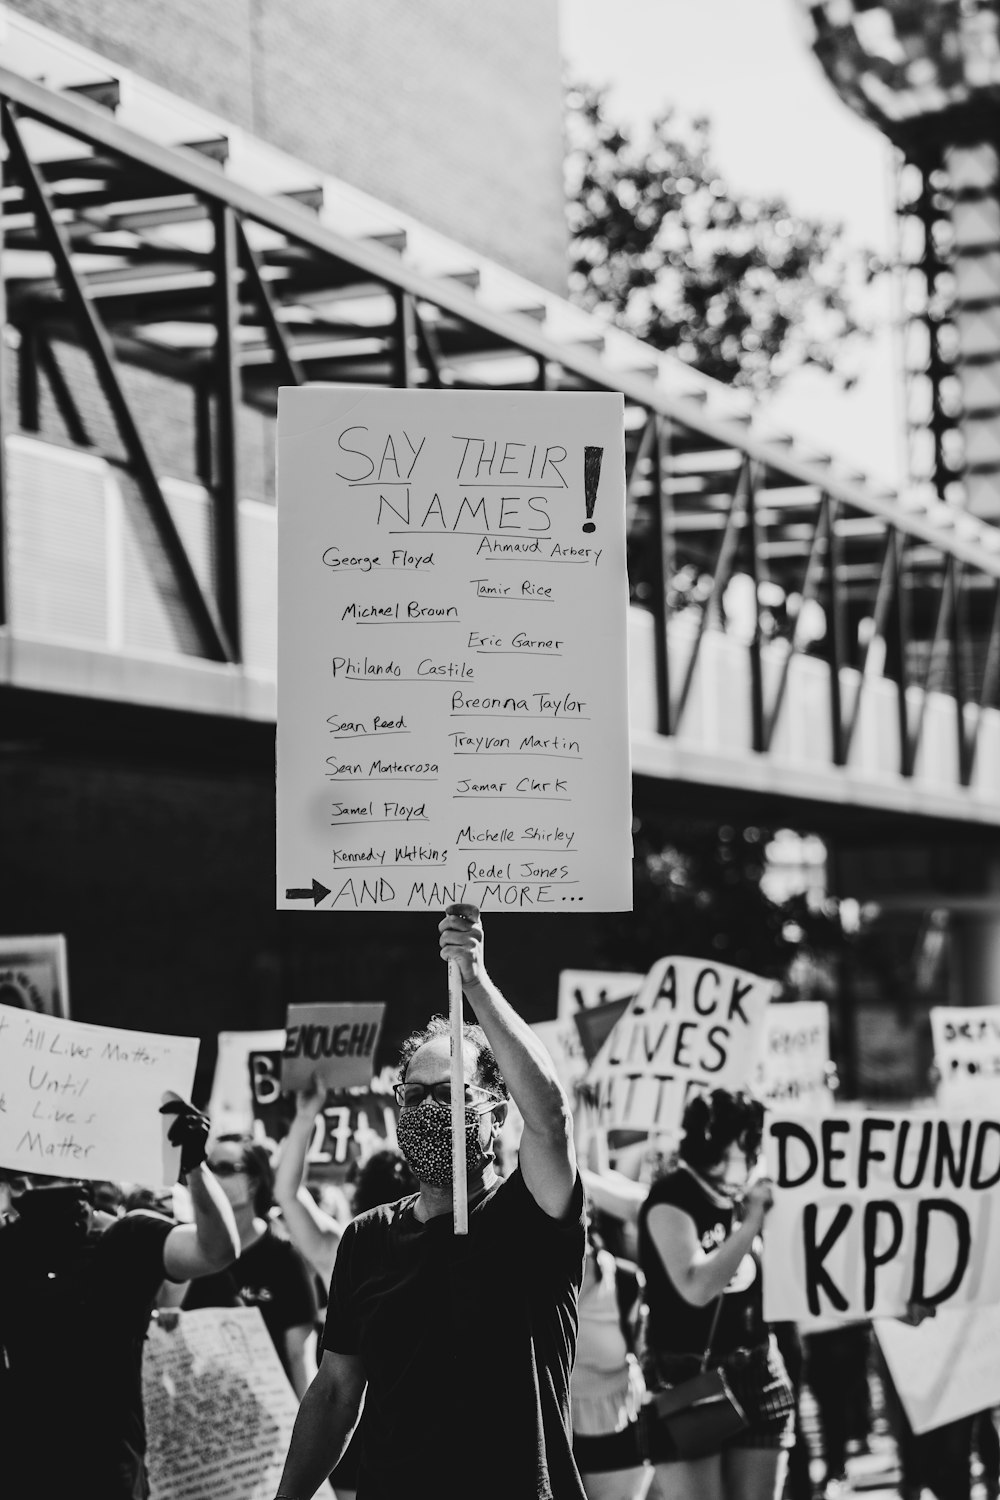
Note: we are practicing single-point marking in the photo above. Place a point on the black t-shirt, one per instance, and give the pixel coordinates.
(675, 1325)
(271, 1275)
(448, 1327)
(71, 1336)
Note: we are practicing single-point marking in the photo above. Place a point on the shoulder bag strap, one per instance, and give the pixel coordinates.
(711, 1333)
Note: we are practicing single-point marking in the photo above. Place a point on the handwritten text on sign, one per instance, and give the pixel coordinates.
(874, 1211)
(795, 1064)
(693, 1026)
(336, 1042)
(66, 1088)
(452, 673)
(219, 1408)
(967, 1055)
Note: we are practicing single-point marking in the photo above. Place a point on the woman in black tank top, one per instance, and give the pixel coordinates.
(699, 1233)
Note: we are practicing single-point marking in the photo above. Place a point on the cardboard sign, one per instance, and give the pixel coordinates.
(967, 1055)
(337, 1042)
(693, 1026)
(219, 1408)
(945, 1369)
(581, 989)
(562, 1042)
(33, 974)
(794, 1070)
(873, 1211)
(452, 656)
(66, 1087)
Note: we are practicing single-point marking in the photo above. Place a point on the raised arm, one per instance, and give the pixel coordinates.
(327, 1417)
(547, 1158)
(209, 1244)
(312, 1231)
(699, 1275)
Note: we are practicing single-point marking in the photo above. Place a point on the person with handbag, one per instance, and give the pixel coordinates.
(720, 1415)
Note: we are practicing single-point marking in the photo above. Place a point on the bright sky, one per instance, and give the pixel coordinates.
(778, 127)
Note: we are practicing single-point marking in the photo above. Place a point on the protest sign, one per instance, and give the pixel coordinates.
(452, 579)
(231, 1106)
(596, 1024)
(346, 1128)
(33, 974)
(66, 1087)
(967, 1056)
(581, 989)
(794, 1070)
(945, 1369)
(873, 1211)
(562, 1042)
(336, 1042)
(219, 1408)
(693, 1026)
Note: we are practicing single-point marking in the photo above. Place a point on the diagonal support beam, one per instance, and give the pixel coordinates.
(942, 630)
(226, 372)
(888, 583)
(289, 369)
(724, 561)
(818, 551)
(98, 344)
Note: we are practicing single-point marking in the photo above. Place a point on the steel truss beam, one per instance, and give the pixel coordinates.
(277, 296)
(99, 347)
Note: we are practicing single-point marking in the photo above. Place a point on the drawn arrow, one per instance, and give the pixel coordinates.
(317, 892)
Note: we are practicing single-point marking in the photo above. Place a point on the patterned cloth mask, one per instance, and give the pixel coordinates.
(424, 1136)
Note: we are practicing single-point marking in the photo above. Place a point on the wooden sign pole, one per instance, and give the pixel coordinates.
(459, 1179)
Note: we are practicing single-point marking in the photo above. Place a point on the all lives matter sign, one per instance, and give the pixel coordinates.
(452, 662)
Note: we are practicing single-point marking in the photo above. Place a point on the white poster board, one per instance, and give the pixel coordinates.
(582, 989)
(874, 1210)
(66, 1087)
(231, 1107)
(794, 1071)
(947, 1368)
(452, 654)
(967, 1056)
(33, 974)
(219, 1408)
(694, 1025)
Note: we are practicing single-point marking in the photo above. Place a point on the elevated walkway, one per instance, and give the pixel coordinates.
(795, 629)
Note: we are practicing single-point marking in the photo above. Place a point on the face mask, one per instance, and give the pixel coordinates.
(424, 1136)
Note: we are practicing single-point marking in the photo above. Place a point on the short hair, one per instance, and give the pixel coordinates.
(715, 1121)
(257, 1165)
(488, 1074)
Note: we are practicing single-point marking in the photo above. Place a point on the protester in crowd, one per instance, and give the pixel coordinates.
(606, 1388)
(383, 1177)
(435, 1325)
(269, 1272)
(75, 1304)
(837, 1375)
(699, 1230)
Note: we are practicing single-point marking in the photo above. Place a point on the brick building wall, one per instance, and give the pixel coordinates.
(447, 110)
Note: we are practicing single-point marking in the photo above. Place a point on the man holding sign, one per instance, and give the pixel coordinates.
(434, 1324)
(68, 1289)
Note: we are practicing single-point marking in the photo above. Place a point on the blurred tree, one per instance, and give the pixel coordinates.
(740, 287)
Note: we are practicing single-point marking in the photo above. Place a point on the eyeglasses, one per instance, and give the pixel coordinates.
(410, 1095)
